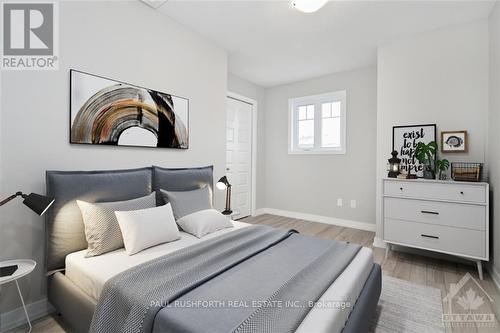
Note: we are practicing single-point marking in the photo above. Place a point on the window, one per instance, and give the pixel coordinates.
(306, 126)
(317, 124)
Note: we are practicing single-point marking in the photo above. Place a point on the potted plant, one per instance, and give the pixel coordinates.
(425, 154)
(442, 165)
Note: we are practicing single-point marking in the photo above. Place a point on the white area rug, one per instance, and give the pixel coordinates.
(408, 307)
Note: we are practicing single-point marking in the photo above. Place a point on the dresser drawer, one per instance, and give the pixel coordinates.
(434, 212)
(435, 190)
(436, 237)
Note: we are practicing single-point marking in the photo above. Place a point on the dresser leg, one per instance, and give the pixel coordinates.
(387, 249)
(480, 269)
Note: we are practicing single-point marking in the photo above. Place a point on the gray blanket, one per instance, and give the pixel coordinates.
(297, 269)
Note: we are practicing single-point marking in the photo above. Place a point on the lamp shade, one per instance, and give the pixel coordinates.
(223, 183)
(38, 203)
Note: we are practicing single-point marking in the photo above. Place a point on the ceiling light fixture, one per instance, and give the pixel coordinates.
(308, 6)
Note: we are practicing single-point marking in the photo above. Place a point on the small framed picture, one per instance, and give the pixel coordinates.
(454, 142)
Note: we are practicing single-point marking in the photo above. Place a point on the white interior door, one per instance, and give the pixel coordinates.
(239, 154)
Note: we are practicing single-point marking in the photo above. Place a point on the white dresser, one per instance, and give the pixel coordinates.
(442, 216)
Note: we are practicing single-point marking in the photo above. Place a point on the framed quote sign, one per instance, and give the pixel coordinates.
(405, 140)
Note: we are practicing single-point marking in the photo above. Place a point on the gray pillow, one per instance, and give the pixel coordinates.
(187, 202)
(102, 230)
(204, 222)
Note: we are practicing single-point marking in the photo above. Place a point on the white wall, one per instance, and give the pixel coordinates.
(494, 138)
(437, 77)
(127, 41)
(247, 89)
(311, 184)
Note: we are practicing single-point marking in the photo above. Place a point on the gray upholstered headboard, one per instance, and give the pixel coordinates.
(183, 179)
(64, 224)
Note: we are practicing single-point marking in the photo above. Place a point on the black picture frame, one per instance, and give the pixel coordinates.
(70, 120)
(408, 160)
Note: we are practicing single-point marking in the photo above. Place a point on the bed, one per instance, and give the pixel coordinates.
(76, 283)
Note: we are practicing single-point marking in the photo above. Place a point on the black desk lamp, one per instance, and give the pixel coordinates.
(37, 203)
(223, 184)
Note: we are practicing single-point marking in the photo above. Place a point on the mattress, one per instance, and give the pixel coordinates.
(90, 274)
(329, 315)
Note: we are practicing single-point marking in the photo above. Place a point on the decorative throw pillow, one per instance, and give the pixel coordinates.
(204, 222)
(187, 202)
(147, 227)
(101, 227)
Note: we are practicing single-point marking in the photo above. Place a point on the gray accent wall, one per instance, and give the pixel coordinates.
(311, 184)
(127, 41)
(436, 77)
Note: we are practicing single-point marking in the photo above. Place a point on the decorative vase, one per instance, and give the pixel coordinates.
(429, 173)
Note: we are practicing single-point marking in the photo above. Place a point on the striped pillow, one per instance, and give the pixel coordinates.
(102, 230)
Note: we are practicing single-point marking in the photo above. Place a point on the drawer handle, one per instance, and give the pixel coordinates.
(462, 192)
(400, 188)
(429, 236)
(429, 212)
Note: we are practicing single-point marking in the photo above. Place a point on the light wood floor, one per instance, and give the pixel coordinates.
(414, 268)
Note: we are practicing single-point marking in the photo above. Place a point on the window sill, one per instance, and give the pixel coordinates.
(317, 152)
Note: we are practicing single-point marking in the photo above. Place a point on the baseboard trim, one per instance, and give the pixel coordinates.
(16, 317)
(317, 218)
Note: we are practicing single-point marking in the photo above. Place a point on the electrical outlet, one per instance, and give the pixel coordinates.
(353, 203)
(339, 202)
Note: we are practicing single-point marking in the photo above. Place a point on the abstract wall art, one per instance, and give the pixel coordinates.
(109, 112)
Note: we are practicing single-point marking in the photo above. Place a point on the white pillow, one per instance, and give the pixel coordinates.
(204, 222)
(147, 227)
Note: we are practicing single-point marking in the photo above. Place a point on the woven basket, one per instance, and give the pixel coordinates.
(466, 171)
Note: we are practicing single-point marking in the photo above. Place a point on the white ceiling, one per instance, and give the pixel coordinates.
(270, 43)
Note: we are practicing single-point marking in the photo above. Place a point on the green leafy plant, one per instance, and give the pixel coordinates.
(441, 166)
(425, 154)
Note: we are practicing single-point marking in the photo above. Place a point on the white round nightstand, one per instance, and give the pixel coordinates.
(25, 266)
